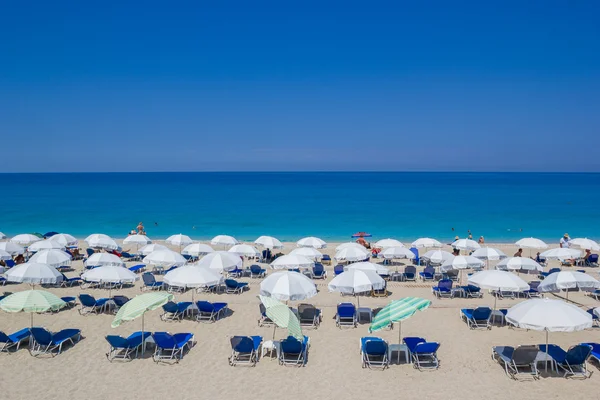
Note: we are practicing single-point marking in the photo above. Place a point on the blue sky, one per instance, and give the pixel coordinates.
(312, 85)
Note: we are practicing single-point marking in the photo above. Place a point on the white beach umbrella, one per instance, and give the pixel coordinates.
(368, 266)
(109, 274)
(498, 280)
(2, 236)
(311, 241)
(466, 244)
(292, 261)
(54, 258)
(220, 261)
(568, 280)
(356, 281)
(585, 243)
(288, 286)
(224, 240)
(100, 259)
(461, 262)
(149, 248)
(197, 249)
(268, 242)
(489, 253)
(561, 253)
(426, 242)
(385, 243)
(349, 244)
(308, 252)
(192, 276)
(164, 258)
(45, 245)
(101, 241)
(11, 248)
(519, 264)
(531, 243)
(437, 256)
(179, 240)
(65, 239)
(397, 253)
(33, 273)
(4, 255)
(352, 254)
(244, 250)
(138, 240)
(25, 239)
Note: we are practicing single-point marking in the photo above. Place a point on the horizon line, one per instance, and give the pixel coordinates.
(299, 171)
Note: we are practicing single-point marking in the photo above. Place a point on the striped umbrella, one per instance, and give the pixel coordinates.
(282, 316)
(398, 311)
(31, 301)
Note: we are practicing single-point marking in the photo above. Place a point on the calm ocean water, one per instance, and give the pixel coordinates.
(500, 206)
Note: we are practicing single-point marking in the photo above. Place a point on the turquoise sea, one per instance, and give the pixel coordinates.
(333, 205)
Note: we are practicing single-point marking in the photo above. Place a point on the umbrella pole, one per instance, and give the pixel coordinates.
(143, 339)
(274, 327)
(399, 332)
(546, 362)
(31, 319)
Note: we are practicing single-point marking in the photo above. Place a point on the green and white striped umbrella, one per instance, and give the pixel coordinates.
(282, 316)
(137, 306)
(398, 311)
(31, 301)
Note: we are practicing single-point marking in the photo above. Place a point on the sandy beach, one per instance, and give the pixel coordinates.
(334, 363)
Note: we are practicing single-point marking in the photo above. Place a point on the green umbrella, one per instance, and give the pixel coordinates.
(398, 311)
(282, 316)
(31, 301)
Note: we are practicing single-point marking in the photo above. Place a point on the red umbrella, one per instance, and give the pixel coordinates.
(361, 234)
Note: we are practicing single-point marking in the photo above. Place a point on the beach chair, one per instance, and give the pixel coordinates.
(533, 290)
(472, 291)
(592, 260)
(171, 347)
(595, 353)
(150, 282)
(477, 318)
(410, 273)
(69, 282)
(338, 269)
(90, 305)
(293, 352)
(235, 273)
(326, 259)
(374, 352)
(517, 362)
(346, 315)
(7, 342)
(543, 275)
(9, 263)
(210, 312)
(416, 260)
(309, 315)
(175, 311)
(46, 342)
(427, 274)
(89, 252)
(318, 271)
(573, 361)
(257, 272)
(423, 353)
(233, 286)
(264, 320)
(137, 268)
(70, 300)
(122, 348)
(244, 350)
(119, 301)
(443, 288)
(383, 292)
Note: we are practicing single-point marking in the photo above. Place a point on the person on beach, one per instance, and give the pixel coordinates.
(140, 229)
(363, 243)
(565, 241)
(470, 236)
(456, 252)
(481, 240)
(519, 253)
(19, 259)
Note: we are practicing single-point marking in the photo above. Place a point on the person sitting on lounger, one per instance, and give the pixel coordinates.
(519, 253)
(19, 259)
(481, 240)
(456, 252)
(363, 243)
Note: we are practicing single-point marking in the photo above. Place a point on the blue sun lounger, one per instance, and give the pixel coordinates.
(595, 351)
(90, 305)
(427, 274)
(520, 361)
(9, 341)
(293, 351)
(257, 272)
(244, 350)
(477, 318)
(122, 348)
(233, 286)
(423, 353)
(175, 311)
(346, 315)
(210, 312)
(45, 342)
(374, 352)
(573, 361)
(171, 347)
(443, 288)
(150, 282)
(69, 282)
(137, 268)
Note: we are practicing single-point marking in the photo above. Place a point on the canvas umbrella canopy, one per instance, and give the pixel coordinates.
(585, 243)
(288, 286)
(65, 239)
(565, 280)
(54, 258)
(244, 250)
(493, 279)
(101, 241)
(197, 249)
(11, 248)
(165, 258)
(519, 264)
(311, 241)
(110, 274)
(138, 240)
(460, 263)
(34, 274)
(45, 245)
(437, 256)
(397, 253)
(307, 252)
(561, 253)
(4, 255)
(385, 243)
(351, 254)
(31, 301)
(268, 242)
(179, 240)
(99, 259)
(398, 311)
(368, 266)
(489, 253)
(349, 244)
(220, 261)
(425, 242)
(149, 248)
(531, 243)
(466, 244)
(549, 316)
(282, 317)
(191, 276)
(292, 261)
(224, 240)
(25, 239)
(2, 235)
(356, 281)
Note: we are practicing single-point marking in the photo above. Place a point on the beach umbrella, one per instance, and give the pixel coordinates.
(385, 243)
(311, 241)
(220, 261)
(585, 243)
(149, 248)
(179, 240)
(460, 263)
(244, 250)
(138, 240)
(426, 242)
(197, 249)
(165, 258)
(368, 266)
(54, 258)
(2, 236)
(519, 264)
(347, 244)
(398, 311)
(437, 256)
(361, 235)
(25, 239)
(31, 301)
(307, 252)
(268, 242)
(397, 253)
(109, 274)
(4, 255)
(493, 279)
(549, 316)
(65, 239)
(11, 248)
(191, 276)
(531, 243)
(561, 253)
(282, 316)
(565, 280)
(489, 253)
(100, 259)
(288, 286)
(466, 244)
(139, 305)
(34, 274)
(224, 240)
(49, 234)
(356, 281)
(101, 241)
(352, 254)
(45, 245)
(292, 261)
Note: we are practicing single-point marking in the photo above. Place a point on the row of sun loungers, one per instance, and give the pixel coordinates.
(376, 352)
(41, 341)
(290, 351)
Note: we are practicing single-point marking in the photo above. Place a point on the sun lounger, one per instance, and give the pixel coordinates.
(235, 273)
(477, 318)
(410, 273)
(121, 348)
(150, 282)
(423, 353)
(573, 361)
(326, 259)
(119, 301)
(427, 274)
(68, 282)
(346, 315)
(175, 311)
(318, 271)
(443, 288)
(533, 289)
(70, 300)
(257, 272)
(210, 312)
(264, 320)
(374, 352)
(171, 347)
(244, 350)
(338, 269)
(293, 351)
(543, 275)
(90, 305)
(472, 291)
(517, 362)
(46, 342)
(137, 268)
(9, 341)
(233, 286)
(309, 315)
(592, 260)
(595, 354)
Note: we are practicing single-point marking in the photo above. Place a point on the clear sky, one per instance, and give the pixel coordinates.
(300, 85)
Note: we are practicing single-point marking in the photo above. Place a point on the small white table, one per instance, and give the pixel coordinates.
(398, 348)
(546, 358)
(270, 346)
(364, 310)
(498, 314)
